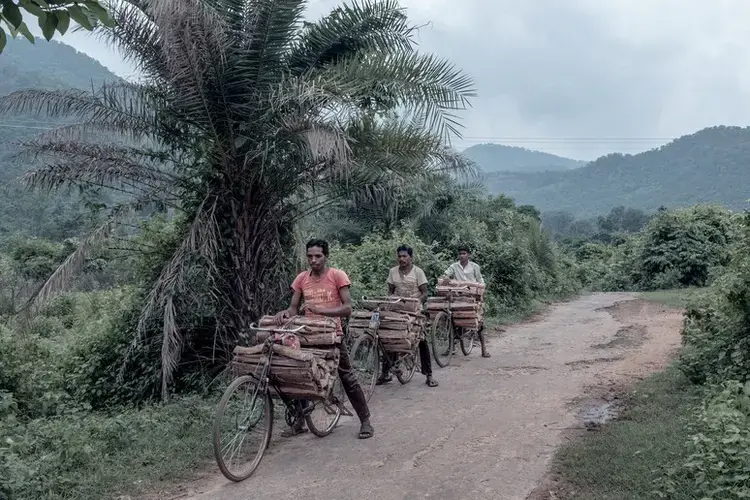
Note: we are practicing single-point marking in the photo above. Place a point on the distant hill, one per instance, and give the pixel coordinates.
(712, 165)
(43, 65)
(48, 65)
(500, 158)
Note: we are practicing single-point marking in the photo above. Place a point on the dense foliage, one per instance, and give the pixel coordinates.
(676, 248)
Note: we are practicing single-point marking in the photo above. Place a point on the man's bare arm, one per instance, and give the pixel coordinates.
(391, 289)
(423, 291)
(293, 309)
(344, 310)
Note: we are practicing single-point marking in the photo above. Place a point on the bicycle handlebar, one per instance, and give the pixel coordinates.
(254, 326)
(398, 299)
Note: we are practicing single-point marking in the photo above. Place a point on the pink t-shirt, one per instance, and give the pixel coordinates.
(322, 291)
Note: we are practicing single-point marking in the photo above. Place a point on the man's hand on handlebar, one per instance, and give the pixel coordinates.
(282, 316)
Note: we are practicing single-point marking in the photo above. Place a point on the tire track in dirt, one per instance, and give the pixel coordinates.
(488, 431)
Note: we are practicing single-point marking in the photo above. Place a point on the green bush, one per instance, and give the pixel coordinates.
(368, 263)
(718, 465)
(681, 247)
(715, 334)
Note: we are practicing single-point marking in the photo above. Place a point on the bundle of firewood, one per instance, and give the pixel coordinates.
(315, 332)
(465, 300)
(401, 324)
(300, 373)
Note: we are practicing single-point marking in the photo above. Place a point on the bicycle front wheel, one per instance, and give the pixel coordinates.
(243, 428)
(365, 358)
(441, 339)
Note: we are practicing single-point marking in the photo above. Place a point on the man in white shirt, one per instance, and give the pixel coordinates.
(466, 270)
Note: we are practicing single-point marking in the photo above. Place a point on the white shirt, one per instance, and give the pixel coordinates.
(469, 273)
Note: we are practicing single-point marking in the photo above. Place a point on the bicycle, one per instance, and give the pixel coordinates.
(258, 389)
(369, 343)
(443, 334)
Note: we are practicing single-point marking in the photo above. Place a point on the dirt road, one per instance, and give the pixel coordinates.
(489, 429)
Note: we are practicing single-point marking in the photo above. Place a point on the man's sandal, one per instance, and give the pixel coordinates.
(431, 382)
(293, 432)
(366, 431)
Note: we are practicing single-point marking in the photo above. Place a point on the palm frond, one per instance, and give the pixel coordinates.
(350, 29)
(424, 83)
(201, 246)
(124, 108)
(60, 279)
(81, 164)
(136, 37)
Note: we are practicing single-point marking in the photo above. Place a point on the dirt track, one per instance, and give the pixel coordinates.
(489, 429)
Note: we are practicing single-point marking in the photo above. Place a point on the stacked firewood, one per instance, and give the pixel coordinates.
(315, 332)
(401, 323)
(306, 373)
(465, 300)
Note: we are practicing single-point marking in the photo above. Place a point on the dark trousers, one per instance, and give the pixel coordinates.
(350, 382)
(424, 359)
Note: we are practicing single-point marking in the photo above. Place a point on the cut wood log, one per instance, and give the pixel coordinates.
(406, 304)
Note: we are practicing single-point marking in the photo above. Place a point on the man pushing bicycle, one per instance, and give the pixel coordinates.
(466, 270)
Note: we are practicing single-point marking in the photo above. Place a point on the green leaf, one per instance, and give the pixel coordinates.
(3, 40)
(48, 25)
(12, 13)
(63, 21)
(101, 13)
(96, 8)
(24, 30)
(79, 16)
(33, 9)
(41, 3)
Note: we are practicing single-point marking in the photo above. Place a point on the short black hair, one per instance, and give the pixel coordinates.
(463, 248)
(323, 244)
(405, 248)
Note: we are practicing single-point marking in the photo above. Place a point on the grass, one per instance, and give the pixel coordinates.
(98, 455)
(674, 298)
(622, 460)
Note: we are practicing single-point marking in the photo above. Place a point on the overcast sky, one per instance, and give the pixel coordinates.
(580, 78)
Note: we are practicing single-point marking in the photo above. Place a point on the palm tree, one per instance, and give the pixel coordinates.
(246, 120)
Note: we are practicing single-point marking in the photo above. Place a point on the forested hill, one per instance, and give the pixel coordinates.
(712, 165)
(48, 65)
(44, 65)
(501, 158)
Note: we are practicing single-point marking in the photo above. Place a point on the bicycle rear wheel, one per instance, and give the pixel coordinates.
(467, 341)
(441, 339)
(408, 366)
(244, 423)
(323, 417)
(365, 358)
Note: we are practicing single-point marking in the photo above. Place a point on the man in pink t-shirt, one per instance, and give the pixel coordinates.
(326, 293)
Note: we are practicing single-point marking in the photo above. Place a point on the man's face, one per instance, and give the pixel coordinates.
(315, 258)
(404, 259)
(463, 256)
